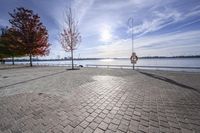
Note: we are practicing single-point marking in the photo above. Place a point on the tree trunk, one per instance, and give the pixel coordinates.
(13, 61)
(72, 59)
(30, 60)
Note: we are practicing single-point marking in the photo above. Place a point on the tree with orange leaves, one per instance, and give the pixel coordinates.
(70, 37)
(29, 32)
(8, 46)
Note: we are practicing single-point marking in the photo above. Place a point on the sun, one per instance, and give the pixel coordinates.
(105, 34)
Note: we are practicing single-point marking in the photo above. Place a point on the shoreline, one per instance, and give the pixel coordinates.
(193, 71)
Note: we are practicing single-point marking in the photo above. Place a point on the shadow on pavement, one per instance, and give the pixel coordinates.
(13, 67)
(1, 87)
(168, 80)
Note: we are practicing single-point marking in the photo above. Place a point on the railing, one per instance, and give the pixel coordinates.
(175, 67)
(47, 64)
(109, 66)
(116, 66)
(130, 66)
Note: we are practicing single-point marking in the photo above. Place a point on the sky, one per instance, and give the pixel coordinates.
(160, 27)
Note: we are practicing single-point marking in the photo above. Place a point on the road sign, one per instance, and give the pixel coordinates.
(134, 58)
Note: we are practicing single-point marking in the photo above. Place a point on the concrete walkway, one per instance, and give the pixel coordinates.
(54, 100)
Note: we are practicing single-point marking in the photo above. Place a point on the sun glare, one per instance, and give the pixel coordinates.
(107, 60)
(105, 34)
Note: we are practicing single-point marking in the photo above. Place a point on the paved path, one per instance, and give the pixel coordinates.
(53, 100)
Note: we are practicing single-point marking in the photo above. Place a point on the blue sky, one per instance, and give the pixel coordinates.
(161, 27)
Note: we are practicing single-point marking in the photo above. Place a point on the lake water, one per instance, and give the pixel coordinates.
(173, 62)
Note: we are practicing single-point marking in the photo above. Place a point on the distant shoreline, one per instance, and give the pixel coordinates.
(147, 57)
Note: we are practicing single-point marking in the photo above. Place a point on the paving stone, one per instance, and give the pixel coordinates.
(5, 127)
(103, 126)
(57, 129)
(98, 130)
(68, 129)
(107, 120)
(123, 127)
(112, 127)
(143, 128)
(89, 119)
(137, 113)
(109, 108)
(110, 115)
(90, 110)
(78, 129)
(94, 114)
(84, 124)
(184, 130)
(115, 121)
(74, 123)
(135, 117)
(133, 128)
(164, 124)
(98, 120)
(184, 125)
(164, 129)
(93, 125)
(153, 129)
(127, 117)
(109, 131)
(196, 128)
(110, 101)
(175, 130)
(88, 130)
(144, 123)
(102, 115)
(105, 111)
(154, 123)
(125, 122)
(119, 131)
(98, 111)
(65, 123)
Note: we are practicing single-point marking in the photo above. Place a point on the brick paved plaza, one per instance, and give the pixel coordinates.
(54, 100)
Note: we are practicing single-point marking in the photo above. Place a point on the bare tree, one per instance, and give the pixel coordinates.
(70, 36)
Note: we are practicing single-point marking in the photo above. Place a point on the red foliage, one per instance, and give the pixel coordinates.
(30, 33)
(9, 47)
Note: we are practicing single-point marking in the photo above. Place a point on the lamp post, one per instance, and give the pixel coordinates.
(130, 24)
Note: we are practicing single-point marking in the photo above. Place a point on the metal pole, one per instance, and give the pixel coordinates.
(130, 22)
(133, 43)
(132, 37)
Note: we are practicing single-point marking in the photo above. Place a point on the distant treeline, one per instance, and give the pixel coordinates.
(150, 57)
(147, 57)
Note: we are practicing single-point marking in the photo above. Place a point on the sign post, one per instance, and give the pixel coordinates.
(133, 56)
(133, 59)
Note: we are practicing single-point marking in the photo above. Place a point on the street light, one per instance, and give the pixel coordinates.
(130, 24)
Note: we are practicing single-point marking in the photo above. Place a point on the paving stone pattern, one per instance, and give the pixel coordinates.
(120, 101)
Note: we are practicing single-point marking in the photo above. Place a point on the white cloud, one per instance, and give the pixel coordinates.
(81, 7)
(170, 43)
(186, 43)
(145, 3)
(161, 19)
